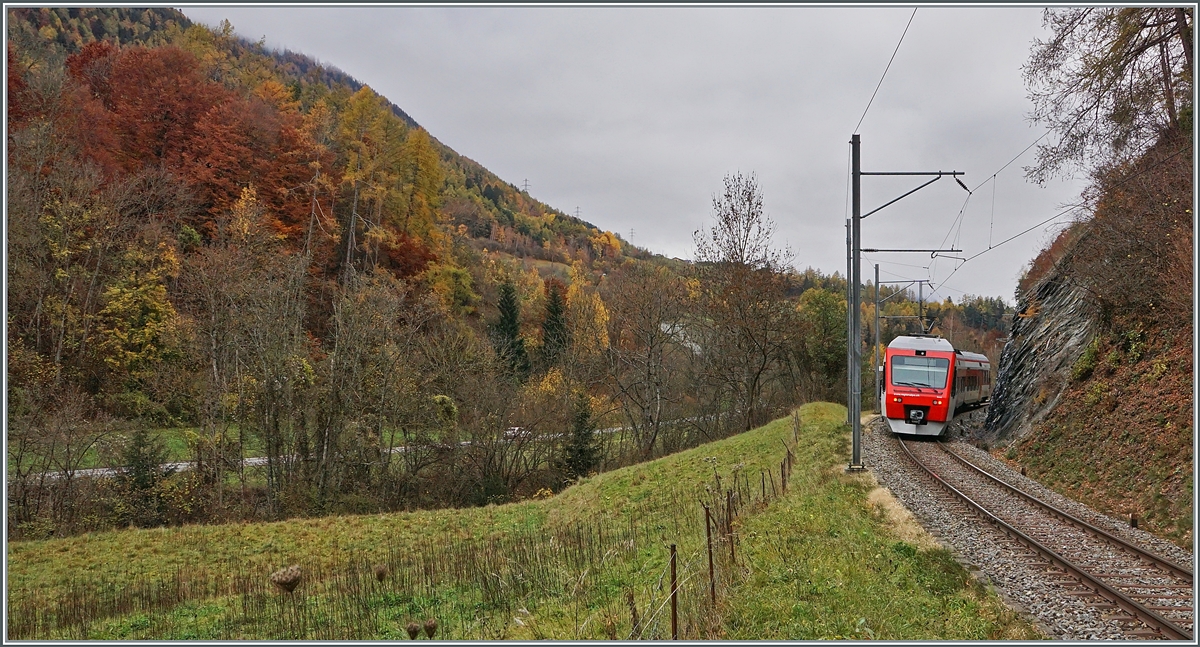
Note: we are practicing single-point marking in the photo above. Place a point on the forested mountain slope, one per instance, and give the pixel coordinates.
(218, 252)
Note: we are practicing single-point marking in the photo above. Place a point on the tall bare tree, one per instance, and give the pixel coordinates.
(744, 319)
(648, 305)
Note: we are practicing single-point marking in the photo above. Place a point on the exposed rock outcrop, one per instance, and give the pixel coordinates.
(1054, 324)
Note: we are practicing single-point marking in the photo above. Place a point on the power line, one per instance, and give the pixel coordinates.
(885, 70)
(1069, 209)
(960, 218)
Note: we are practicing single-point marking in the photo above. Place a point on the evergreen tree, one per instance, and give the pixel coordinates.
(581, 455)
(506, 332)
(141, 503)
(554, 326)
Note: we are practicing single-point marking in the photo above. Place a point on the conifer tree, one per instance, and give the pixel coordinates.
(506, 332)
(554, 326)
(141, 503)
(581, 455)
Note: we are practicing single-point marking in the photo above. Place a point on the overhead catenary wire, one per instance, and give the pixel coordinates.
(1069, 209)
(992, 220)
(885, 70)
(874, 260)
(960, 218)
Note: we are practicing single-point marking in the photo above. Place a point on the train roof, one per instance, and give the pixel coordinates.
(930, 342)
(910, 342)
(973, 356)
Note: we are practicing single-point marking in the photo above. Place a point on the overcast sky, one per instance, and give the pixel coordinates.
(633, 115)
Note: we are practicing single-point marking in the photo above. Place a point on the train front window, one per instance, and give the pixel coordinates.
(908, 370)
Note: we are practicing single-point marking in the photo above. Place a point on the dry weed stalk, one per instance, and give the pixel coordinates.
(636, 632)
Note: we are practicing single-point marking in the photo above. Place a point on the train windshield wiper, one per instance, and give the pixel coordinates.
(919, 386)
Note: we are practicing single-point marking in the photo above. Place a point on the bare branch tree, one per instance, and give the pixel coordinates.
(744, 318)
(1107, 82)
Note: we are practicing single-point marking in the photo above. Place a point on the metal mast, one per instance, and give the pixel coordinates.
(854, 316)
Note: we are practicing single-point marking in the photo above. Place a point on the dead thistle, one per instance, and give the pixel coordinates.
(430, 627)
(381, 572)
(288, 578)
(413, 630)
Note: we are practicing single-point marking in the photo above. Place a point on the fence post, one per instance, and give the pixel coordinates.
(729, 524)
(674, 598)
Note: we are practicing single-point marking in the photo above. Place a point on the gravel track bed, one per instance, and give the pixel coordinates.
(1092, 554)
(1118, 527)
(1014, 572)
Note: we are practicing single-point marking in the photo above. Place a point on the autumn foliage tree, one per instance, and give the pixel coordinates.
(252, 252)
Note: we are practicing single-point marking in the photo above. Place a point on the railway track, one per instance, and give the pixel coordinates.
(1147, 595)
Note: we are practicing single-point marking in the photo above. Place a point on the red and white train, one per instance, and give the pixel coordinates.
(927, 382)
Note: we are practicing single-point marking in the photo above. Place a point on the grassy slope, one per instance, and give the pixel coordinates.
(823, 564)
(812, 563)
(1121, 439)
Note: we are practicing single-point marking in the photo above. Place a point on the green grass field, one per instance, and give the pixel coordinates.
(589, 563)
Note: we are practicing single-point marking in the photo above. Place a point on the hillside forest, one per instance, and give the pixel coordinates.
(219, 252)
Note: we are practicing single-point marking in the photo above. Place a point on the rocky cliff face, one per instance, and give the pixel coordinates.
(1053, 326)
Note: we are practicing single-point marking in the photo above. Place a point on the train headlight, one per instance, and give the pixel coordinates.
(897, 399)
(937, 402)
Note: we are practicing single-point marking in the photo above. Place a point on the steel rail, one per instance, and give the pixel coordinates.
(1161, 562)
(1150, 618)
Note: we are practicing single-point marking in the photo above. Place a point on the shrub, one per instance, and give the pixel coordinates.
(1095, 394)
(1087, 362)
